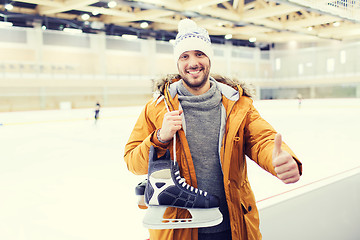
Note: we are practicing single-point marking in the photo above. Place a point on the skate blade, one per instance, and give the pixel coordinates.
(141, 202)
(200, 218)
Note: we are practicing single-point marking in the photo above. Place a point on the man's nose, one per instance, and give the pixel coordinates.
(193, 62)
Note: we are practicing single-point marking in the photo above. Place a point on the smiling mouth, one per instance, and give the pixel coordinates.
(194, 71)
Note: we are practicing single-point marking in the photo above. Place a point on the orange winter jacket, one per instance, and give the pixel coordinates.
(244, 133)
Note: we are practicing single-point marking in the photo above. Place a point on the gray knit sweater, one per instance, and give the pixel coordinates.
(202, 118)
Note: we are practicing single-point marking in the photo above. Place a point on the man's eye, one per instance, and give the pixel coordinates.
(200, 54)
(183, 57)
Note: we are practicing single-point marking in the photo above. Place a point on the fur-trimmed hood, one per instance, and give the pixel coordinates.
(248, 89)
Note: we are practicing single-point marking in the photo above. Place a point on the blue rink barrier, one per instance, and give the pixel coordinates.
(330, 212)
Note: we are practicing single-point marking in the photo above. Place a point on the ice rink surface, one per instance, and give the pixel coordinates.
(63, 177)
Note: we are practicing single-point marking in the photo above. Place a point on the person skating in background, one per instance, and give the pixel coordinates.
(216, 127)
(300, 98)
(97, 112)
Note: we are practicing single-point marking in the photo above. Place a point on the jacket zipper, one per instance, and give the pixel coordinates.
(226, 133)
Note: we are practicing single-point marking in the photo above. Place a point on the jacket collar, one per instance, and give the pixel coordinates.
(227, 91)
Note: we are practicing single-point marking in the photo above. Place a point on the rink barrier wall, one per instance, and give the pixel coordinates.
(45, 92)
(325, 209)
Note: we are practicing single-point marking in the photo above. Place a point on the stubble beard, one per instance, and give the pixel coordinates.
(196, 85)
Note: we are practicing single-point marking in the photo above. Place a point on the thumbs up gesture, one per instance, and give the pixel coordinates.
(285, 166)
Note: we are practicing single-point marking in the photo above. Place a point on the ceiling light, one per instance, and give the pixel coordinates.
(9, 6)
(85, 16)
(129, 37)
(97, 25)
(95, 12)
(228, 36)
(336, 24)
(310, 29)
(72, 30)
(252, 39)
(43, 27)
(112, 4)
(144, 25)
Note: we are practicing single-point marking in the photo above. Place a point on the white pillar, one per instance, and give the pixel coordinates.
(228, 58)
(35, 41)
(98, 46)
(148, 48)
(358, 91)
(312, 92)
(257, 93)
(257, 59)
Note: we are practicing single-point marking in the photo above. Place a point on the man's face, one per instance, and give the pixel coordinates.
(194, 68)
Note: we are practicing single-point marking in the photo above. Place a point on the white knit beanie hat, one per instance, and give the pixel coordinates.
(191, 37)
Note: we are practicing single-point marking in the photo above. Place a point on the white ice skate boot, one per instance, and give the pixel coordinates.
(166, 188)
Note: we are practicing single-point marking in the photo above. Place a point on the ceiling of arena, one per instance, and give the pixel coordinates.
(239, 20)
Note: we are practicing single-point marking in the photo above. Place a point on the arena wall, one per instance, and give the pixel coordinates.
(43, 69)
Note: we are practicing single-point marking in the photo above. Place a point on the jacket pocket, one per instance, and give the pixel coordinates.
(251, 215)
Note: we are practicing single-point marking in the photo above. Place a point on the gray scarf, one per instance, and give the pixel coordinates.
(202, 115)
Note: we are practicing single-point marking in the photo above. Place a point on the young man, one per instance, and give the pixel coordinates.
(216, 125)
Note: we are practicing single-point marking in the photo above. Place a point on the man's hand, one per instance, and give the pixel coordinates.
(171, 124)
(285, 166)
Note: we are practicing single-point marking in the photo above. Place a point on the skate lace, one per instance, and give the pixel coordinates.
(181, 180)
(183, 183)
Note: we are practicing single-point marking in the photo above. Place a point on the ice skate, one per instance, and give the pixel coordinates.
(166, 188)
(139, 192)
